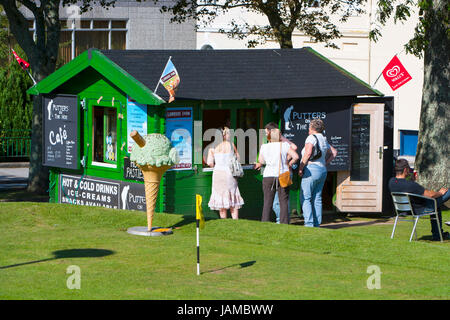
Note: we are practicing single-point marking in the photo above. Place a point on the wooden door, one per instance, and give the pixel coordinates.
(361, 188)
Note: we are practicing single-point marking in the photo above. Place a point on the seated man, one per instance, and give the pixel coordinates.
(401, 183)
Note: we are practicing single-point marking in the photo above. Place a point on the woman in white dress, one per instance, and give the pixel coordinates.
(225, 192)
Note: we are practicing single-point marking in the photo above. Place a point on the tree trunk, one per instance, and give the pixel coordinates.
(433, 154)
(38, 174)
(285, 41)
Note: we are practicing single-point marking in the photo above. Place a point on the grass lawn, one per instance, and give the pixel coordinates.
(240, 259)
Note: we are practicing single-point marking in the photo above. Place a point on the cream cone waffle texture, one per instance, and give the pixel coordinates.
(152, 178)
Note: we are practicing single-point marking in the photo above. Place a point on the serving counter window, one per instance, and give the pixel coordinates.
(249, 119)
(245, 124)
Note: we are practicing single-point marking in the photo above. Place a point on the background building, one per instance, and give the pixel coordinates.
(129, 25)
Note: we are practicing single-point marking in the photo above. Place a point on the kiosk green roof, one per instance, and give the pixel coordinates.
(93, 58)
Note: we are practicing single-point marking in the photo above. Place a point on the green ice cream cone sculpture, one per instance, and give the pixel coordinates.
(154, 156)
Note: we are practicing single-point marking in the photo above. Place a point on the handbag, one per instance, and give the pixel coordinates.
(317, 153)
(235, 166)
(285, 177)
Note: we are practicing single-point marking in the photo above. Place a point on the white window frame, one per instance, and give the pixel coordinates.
(74, 29)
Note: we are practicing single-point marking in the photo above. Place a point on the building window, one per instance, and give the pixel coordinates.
(408, 142)
(80, 35)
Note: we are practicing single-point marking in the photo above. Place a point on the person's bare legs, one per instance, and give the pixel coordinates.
(234, 213)
(223, 213)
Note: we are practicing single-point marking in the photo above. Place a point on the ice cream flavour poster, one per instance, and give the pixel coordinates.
(136, 120)
(179, 130)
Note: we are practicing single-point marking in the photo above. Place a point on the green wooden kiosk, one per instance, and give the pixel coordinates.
(91, 104)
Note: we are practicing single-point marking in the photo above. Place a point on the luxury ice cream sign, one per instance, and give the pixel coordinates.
(395, 74)
(60, 134)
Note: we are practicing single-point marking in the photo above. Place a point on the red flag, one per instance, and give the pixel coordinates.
(21, 62)
(395, 74)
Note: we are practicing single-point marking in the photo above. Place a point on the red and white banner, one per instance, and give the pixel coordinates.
(395, 74)
(25, 65)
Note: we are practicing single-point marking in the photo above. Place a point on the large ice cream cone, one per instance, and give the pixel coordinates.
(154, 156)
(152, 178)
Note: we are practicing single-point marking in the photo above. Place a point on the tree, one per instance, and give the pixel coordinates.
(432, 42)
(42, 52)
(15, 105)
(311, 17)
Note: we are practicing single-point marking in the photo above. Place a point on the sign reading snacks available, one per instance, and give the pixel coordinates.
(99, 192)
(60, 132)
(336, 115)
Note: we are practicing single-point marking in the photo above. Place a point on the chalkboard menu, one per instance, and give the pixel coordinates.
(336, 115)
(60, 133)
(131, 171)
(360, 147)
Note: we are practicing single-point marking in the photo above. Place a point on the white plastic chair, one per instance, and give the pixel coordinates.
(404, 209)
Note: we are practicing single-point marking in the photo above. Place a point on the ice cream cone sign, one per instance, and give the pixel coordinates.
(154, 155)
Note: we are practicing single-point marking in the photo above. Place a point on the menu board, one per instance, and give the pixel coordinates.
(360, 147)
(60, 132)
(336, 115)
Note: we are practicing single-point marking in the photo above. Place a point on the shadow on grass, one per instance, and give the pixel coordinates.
(188, 219)
(242, 265)
(430, 239)
(356, 224)
(69, 253)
